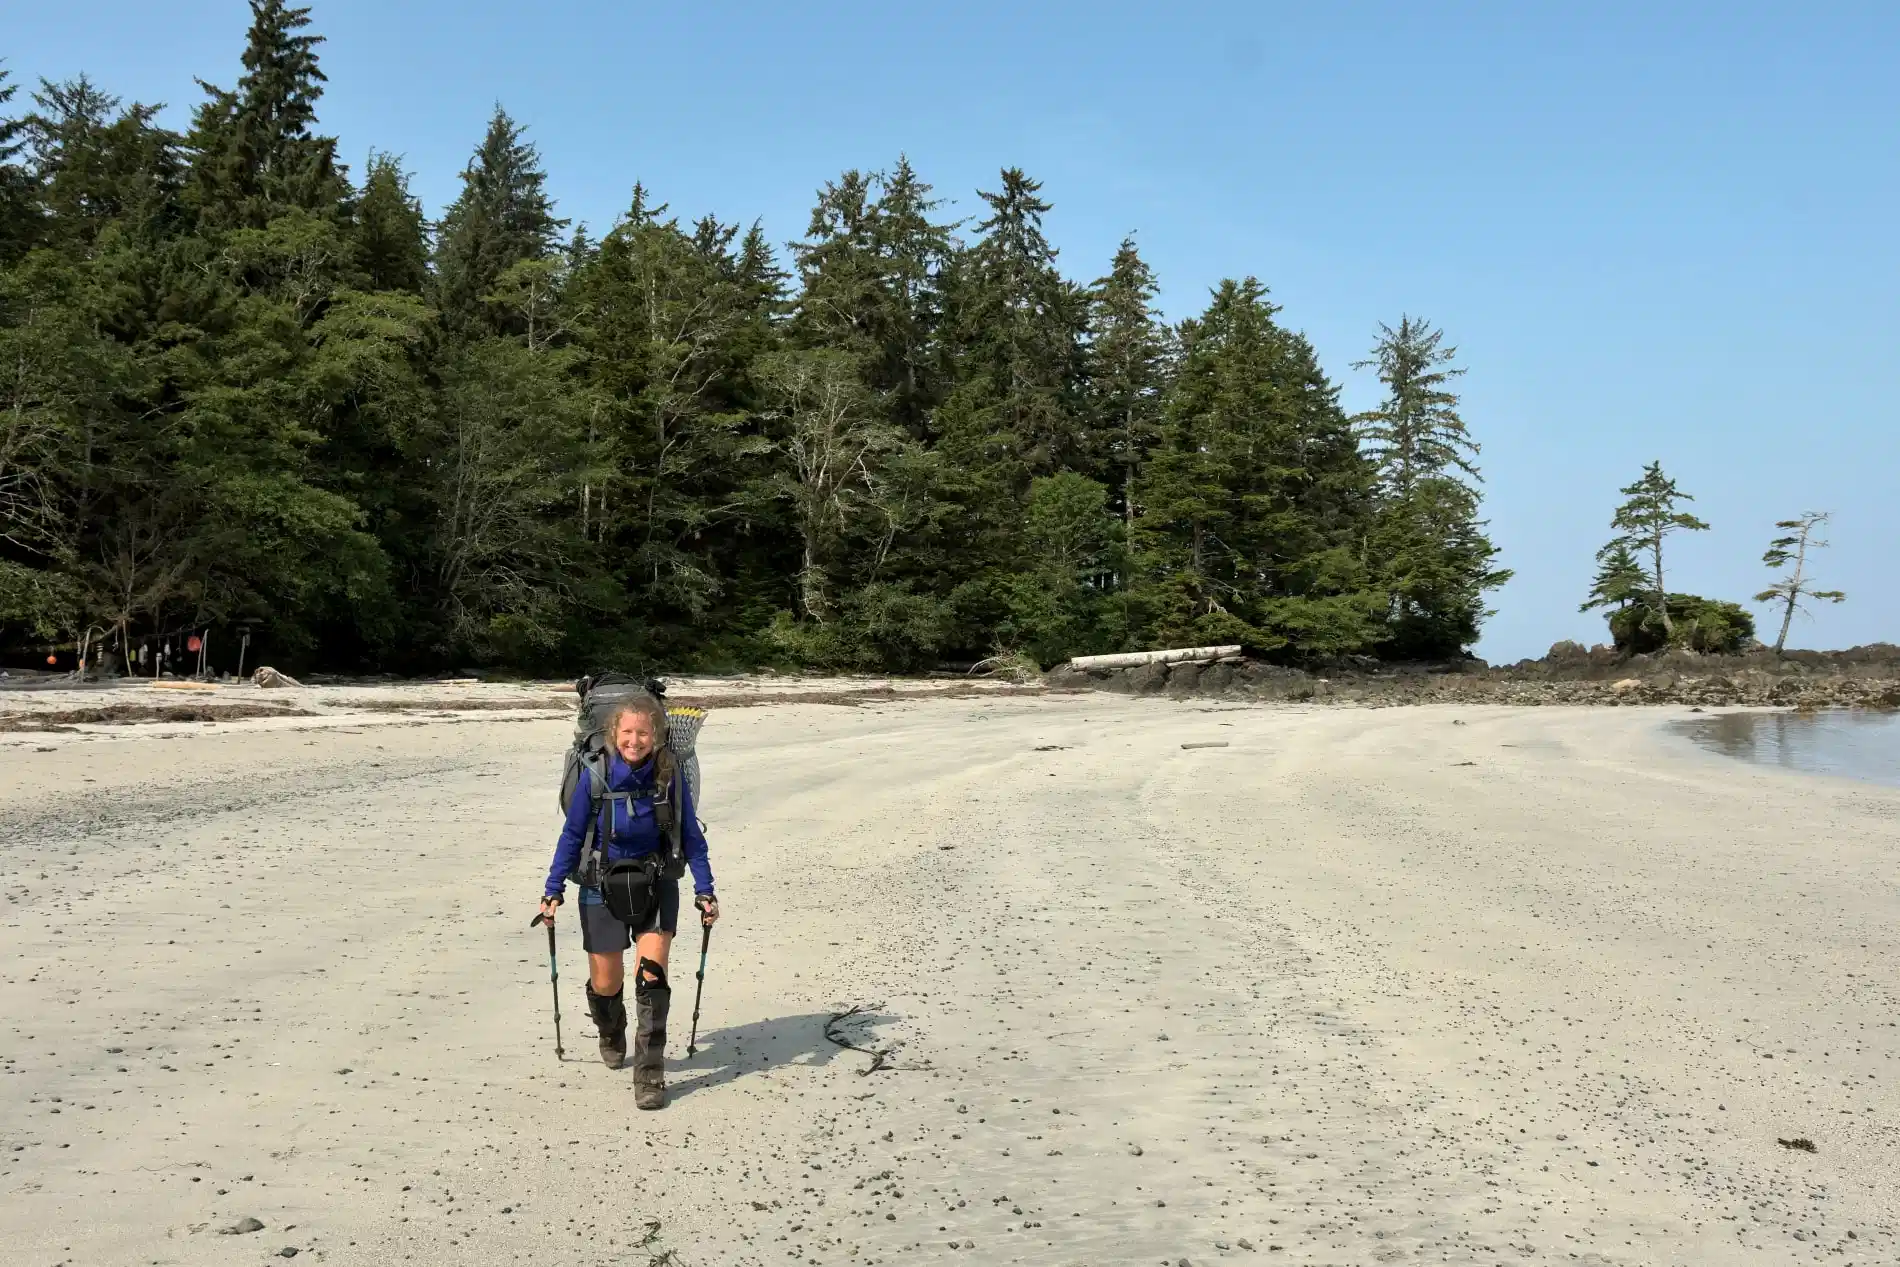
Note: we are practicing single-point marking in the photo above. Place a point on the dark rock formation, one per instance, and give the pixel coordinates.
(1863, 677)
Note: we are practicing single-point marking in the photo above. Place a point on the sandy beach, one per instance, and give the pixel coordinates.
(1438, 984)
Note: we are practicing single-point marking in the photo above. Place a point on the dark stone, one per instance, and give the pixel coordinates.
(1149, 679)
(242, 1227)
(1183, 678)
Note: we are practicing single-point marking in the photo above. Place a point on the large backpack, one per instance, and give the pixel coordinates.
(676, 761)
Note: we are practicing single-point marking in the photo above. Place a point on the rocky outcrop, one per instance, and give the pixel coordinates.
(1864, 677)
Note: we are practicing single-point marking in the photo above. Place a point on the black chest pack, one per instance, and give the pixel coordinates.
(627, 885)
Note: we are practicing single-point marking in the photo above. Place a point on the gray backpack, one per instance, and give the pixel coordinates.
(677, 762)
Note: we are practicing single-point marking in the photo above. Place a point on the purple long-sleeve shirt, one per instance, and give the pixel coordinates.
(635, 833)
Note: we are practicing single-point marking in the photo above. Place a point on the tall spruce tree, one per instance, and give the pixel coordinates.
(1129, 359)
(99, 165)
(255, 154)
(1437, 561)
(1253, 502)
(19, 214)
(671, 321)
(1017, 326)
(913, 248)
(392, 237)
(1416, 432)
(502, 217)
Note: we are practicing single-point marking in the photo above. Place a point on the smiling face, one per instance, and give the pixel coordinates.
(634, 736)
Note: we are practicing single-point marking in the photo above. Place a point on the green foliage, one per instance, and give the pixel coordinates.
(1417, 432)
(1647, 518)
(255, 154)
(1706, 625)
(1620, 579)
(1063, 604)
(503, 217)
(1255, 504)
(1129, 355)
(392, 238)
(1438, 562)
(236, 387)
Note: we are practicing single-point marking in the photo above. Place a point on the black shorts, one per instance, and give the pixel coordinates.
(602, 934)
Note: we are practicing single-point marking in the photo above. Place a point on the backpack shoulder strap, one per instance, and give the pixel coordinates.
(600, 801)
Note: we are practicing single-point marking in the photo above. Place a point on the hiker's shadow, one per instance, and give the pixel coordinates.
(728, 1054)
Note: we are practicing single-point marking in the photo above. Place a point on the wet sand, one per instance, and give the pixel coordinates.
(1444, 985)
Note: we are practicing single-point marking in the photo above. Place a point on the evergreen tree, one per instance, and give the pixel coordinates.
(18, 214)
(1064, 604)
(502, 217)
(670, 322)
(913, 249)
(1620, 579)
(1417, 431)
(1647, 518)
(1437, 561)
(392, 237)
(1017, 328)
(839, 270)
(97, 165)
(255, 151)
(1253, 502)
(1129, 357)
(870, 269)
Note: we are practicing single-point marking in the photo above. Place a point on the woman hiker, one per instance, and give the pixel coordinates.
(635, 732)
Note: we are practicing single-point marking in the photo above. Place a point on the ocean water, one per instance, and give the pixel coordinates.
(1850, 743)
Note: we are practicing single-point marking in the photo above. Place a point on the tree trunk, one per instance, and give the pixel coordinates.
(1134, 659)
(1794, 589)
(1662, 591)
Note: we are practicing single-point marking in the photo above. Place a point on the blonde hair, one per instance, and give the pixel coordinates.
(641, 705)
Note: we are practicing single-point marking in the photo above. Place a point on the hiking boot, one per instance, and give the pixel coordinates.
(651, 1000)
(610, 1018)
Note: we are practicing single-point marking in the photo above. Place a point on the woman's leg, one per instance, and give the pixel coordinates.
(653, 998)
(606, 971)
(652, 947)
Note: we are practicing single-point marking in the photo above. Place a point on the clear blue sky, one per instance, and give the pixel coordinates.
(1652, 234)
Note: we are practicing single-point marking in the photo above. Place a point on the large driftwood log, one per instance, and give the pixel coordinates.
(1135, 659)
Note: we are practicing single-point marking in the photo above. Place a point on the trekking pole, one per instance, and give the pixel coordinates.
(554, 980)
(705, 940)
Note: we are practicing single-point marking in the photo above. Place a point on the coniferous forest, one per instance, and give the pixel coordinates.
(244, 386)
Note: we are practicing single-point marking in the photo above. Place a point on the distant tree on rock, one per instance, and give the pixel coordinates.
(1645, 520)
(1792, 548)
(1620, 579)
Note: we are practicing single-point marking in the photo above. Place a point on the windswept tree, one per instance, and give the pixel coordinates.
(1790, 551)
(1647, 518)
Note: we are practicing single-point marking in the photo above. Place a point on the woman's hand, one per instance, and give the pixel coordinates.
(708, 909)
(549, 905)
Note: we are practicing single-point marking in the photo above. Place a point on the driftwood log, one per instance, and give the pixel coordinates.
(1135, 659)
